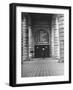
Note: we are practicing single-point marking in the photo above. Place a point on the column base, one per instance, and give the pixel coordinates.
(61, 61)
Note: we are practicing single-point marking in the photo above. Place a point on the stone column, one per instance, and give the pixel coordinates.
(30, 41)
(24, 38)
(61, 33)
(55, 38)
(52, 38)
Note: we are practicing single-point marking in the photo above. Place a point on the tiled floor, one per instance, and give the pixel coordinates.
(42, 67)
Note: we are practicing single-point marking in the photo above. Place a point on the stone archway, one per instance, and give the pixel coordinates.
(41, 37)
(42, 46)
(55, 28)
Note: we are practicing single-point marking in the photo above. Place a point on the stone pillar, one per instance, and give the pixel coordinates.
(52, 38)
(55, 38)
(30, 41)
(24, 38)
(61, 33)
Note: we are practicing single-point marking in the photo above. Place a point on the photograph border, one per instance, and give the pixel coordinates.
(12, 41)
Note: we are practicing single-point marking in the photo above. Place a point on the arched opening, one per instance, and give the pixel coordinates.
(42, 45)
(41, 37)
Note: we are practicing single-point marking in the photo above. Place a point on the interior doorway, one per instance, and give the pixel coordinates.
(42, 51)
(42, 47)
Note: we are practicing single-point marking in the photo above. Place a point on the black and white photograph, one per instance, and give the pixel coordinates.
(42, 44)
(40, 50)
